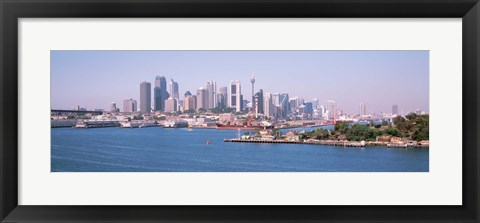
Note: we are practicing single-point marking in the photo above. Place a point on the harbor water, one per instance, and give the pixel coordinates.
(183, 150)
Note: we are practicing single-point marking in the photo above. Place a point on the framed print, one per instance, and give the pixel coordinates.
(239, 111)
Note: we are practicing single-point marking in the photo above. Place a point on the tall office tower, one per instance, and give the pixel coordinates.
(293, 103)
(189, 103)
(145, 97)
(222, 97)
(129, 105)
(211, 94)
(363, 109)
(173, 89)
(187, 94)
(395, 110)
(284, 106)
(308, 108)
(331, 110)
(268, 104)
(113, 107)
(258, 102)
(201, 98)
(160, 93)
(157, 99)
(235, 96)
(171, 105)
(252, 80)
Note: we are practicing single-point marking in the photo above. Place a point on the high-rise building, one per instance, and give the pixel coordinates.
(308, 108)
(235, 96)
(268, 106)
(258, 102)
(160, 93)
(171, 105)
(283, 105)
(331, 110)
(189, 103)
(210, 90)
(363, 109)
(173, 89)
(395, 110)
(145, 97)
(129, 105)
(201, 98)
(222, 98)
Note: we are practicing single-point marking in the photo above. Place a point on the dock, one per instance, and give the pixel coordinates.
(328, 143)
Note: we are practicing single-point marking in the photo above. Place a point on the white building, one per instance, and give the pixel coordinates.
(235, 93)
(171, 105)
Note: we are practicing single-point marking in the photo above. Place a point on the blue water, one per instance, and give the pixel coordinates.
(179, 150)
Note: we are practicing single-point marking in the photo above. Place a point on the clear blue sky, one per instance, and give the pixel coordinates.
(94, 79)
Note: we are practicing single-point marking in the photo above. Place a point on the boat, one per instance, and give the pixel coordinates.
(208, 142)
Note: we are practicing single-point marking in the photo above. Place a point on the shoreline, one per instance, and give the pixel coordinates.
(329, 143)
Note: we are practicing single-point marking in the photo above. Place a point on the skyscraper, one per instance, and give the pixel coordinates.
(268, 105)
(210, 90)
(283, 106)
(201, 98)
(222, 97)
(395, 110)
(258, 102)
(363, 109)
(189, 103)
(308, 108)
(331, 110)
(129, 105)
(235, 99)
(145, 97)
(173, 89)
(160, 93)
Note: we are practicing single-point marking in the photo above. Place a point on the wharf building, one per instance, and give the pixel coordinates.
(145, 97)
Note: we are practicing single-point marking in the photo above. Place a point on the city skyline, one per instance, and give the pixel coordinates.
(377, 79)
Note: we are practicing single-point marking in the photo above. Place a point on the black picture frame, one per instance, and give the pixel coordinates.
(12, 10)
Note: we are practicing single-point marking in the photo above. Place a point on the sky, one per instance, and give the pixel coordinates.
(379, 79)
